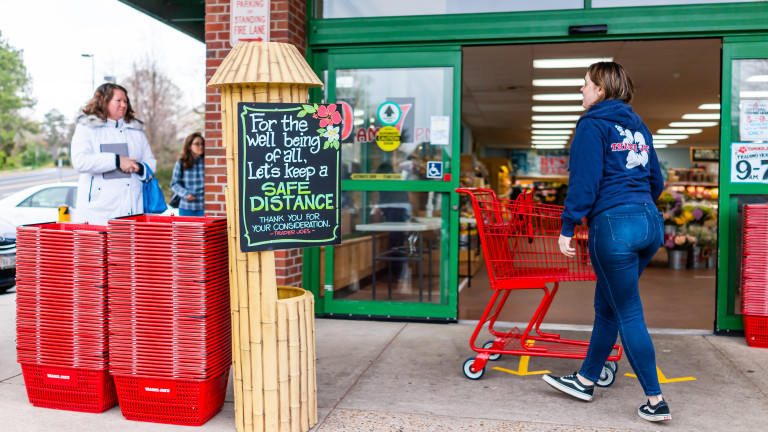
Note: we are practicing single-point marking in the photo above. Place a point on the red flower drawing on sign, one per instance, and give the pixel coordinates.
(328, 115)
(742, 150)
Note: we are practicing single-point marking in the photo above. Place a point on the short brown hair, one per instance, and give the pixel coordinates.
(101, 97)
(613, 79)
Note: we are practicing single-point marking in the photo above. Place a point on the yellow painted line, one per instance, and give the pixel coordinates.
(522, 368)
(34, 183)
(663, 379)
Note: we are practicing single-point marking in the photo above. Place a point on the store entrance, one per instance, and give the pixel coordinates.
(519, 109)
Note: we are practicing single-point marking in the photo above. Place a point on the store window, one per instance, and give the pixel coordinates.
(631, 3)
(375, 8)
(406, 259)
(411, 106)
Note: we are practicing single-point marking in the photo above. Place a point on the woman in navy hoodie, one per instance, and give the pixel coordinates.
(614, 182)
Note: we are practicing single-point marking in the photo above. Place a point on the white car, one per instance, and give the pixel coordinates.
(38, 204)
(7, 255)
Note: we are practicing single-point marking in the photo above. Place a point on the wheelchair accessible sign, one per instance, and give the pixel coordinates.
(434, 169)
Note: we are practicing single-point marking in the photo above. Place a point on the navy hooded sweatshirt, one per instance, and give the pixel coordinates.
(612, 162)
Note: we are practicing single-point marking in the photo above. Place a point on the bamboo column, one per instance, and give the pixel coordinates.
(273, 373)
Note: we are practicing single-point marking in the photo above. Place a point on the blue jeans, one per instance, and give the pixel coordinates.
(185, 212)
(622, 241)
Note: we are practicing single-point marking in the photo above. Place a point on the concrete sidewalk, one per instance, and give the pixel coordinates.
(387, 376)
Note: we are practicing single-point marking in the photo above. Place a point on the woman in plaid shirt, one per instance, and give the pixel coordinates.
(188, 180)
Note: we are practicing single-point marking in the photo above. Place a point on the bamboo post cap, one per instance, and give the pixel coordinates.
(262, 63)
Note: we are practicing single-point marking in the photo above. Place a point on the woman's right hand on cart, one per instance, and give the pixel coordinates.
(565, 246)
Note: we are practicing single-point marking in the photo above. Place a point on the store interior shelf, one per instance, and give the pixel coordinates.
(682, 183)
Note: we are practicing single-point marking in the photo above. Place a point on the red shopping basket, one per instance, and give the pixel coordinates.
(756, 330)
(754, 278)
(519, 240)
(174, 401)
(74, 389)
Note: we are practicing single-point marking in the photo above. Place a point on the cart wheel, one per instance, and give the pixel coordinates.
(492, 357)
(468, 370)
(613, 365)
(607, 377)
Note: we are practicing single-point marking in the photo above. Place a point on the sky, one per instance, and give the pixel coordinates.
(55, 33)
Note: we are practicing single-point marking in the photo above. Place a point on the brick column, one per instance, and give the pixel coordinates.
(287, 24)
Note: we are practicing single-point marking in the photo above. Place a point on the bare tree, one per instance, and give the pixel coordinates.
(56, 132)
(157, 102)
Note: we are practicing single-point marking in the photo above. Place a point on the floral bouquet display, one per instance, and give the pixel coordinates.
(674, 205)
(695, 213)
(680, 242)
(705, 236)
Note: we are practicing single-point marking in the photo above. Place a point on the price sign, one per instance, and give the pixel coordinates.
(288, 178)
(749, 163)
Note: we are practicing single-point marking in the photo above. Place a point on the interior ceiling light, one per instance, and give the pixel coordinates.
(556, 118)
(693, 124)
(660, 146)
(678, 131)
(697, 116)
(557, 108)
(549, 146)
(553, 132)
(754, 78)
(674, 137)
(664, 141)
(754, 94)
(547, 137)
(558, 97)
(712, 106)
(567, 63)
(563, 142)
(552, 125)
(559, 82)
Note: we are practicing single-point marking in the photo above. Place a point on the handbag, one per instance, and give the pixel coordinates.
(176, 199)
(154, 201)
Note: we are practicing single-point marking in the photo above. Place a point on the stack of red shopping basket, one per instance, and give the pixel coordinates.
(61, 319)
(754, 278)
(170, 346)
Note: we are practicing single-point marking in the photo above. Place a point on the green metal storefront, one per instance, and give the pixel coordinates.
(336, 46)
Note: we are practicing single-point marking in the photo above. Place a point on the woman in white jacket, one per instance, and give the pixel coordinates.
(111, 153)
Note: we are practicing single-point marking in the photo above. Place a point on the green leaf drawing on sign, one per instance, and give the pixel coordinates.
(321, 131)
(309, 108)
(301, 113)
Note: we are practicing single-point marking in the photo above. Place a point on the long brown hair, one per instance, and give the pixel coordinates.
(98, 104)
(613, 79)
(186, 156)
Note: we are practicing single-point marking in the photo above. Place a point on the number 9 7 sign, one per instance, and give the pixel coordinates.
(749, 163)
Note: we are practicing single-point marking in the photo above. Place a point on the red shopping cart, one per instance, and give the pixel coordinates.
(519, 240)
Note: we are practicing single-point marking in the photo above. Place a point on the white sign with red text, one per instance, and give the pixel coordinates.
(249, 21)
(749, 163)
(753, 120)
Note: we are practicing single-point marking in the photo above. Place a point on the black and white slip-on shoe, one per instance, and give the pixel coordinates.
(654, 413)
(570, 384)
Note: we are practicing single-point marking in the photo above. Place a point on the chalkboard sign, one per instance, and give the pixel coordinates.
(705, 154)
(288, 175)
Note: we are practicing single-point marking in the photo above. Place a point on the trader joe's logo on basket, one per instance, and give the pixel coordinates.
(288, 175)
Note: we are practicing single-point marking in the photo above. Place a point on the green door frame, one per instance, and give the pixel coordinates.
(734, 48)
(414, 57)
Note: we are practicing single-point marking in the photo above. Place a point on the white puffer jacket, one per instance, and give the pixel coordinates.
(100, 199)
